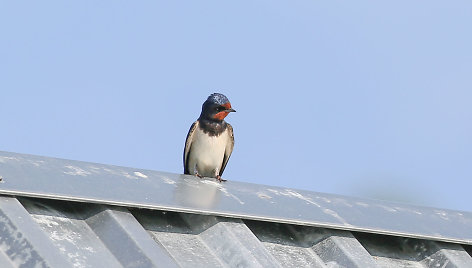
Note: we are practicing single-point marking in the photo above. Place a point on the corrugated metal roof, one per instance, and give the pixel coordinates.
(202, 228)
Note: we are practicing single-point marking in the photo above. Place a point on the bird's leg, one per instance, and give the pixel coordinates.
(219, 178)
(196, 172)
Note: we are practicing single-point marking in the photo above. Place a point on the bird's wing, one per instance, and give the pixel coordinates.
(228, 150)
(188, 146)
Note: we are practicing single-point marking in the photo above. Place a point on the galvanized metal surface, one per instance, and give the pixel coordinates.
(36, 176)
(52, 233)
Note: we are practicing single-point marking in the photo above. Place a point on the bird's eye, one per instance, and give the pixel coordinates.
(219, 109)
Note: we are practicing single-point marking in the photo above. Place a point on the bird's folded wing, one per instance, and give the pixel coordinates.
(188, 145)
(228, 150)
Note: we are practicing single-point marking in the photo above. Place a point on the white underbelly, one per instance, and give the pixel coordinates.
(207, 153)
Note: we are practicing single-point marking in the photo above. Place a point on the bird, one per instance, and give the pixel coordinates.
(210, 140)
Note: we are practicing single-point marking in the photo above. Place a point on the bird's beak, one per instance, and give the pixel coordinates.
(230, 110)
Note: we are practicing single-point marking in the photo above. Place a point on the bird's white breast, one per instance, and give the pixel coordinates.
(207, 153)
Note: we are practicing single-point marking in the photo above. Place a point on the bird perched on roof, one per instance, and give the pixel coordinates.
(210, 140)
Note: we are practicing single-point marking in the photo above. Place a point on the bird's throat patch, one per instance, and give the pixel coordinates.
(221, 115)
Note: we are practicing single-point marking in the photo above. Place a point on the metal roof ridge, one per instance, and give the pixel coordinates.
(80, 181)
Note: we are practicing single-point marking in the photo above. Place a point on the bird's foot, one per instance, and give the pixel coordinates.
(198, 175)
(219, 178)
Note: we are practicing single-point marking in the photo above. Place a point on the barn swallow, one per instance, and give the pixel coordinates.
(210, 140)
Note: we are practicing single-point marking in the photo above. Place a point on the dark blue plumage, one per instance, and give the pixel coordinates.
(217, 98)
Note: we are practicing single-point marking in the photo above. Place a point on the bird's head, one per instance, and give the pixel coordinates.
(216, 107)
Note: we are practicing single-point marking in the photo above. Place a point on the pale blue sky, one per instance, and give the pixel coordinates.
(363, 98)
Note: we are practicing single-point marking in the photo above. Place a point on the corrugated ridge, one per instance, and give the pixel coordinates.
(47, 233)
